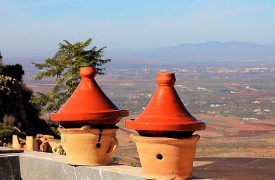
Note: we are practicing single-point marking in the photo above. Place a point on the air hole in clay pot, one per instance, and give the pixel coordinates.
(159, 156)
(98, 145)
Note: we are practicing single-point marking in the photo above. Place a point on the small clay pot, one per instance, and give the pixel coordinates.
(89, 146)
(166, 158)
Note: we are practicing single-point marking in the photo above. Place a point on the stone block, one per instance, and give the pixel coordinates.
(44, 166)
(9, 167)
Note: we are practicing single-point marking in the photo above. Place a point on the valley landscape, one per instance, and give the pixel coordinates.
(223, 57)
(236, 100)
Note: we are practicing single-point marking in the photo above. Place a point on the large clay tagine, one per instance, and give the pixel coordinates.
(165, 143)
(88, 105)
(165, 114)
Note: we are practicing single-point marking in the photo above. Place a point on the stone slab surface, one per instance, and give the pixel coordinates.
(45, 166)
(10, 150)
(9, 167)
(37, 165)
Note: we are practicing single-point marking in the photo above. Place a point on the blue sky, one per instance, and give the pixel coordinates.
(35, 27)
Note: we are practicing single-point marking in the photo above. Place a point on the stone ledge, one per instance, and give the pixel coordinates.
(4, 150)
(44, 166)
(37, 165)
(9, 167)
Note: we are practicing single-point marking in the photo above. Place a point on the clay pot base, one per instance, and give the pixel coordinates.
(89, 146)
(166, 158)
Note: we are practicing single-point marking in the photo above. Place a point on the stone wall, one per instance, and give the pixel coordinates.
(44, 166)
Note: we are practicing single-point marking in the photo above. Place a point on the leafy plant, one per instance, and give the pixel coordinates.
(64, 67)
(9, 120)
(6, 133)
(62, 150)
(55, 131)
(16, 110)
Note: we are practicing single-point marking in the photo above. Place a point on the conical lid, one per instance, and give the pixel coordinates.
(88, 104)
(165, 111)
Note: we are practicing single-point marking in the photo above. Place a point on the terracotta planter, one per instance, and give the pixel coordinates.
(166, 158)
(86, 146)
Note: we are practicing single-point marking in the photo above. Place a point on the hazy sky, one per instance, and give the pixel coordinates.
(35, 27)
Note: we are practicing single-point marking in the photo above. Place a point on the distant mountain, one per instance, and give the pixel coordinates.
(216, 52)
(212, 52)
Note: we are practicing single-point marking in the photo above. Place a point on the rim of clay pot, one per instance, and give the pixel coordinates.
(171, 134)
(89, 104)
(165, 111)
(163, 139)
(167, 126)
(88, 130)
(179, 126)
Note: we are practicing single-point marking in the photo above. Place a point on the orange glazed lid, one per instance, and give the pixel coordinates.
(165, 111)
(89, 104)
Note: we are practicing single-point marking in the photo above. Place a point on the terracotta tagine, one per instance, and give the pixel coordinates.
(88, 105)
(165, 142)
(88, 119)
